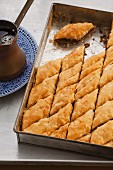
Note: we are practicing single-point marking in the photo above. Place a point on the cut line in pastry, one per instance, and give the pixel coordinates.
(109, 144)
(95, 66)
(86, 80)
(93, 59)
(36, 112)
(49, 125)
(80, 126)
(84, 104)
(61, 132)
(69, 76)
(68, 82)
(62, 98)
(103, 134)
(107, 75)
(73, 58)
(48, 70)
(109, 56)
(88, 88)
(105, 94)
(43, 90)
(103, 114)
(85, 138)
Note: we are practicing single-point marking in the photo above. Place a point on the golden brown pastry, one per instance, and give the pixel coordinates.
(48, 70)
(40, 110)
(49, 125)
(43, 90)
(105, 94)
(38, 127)
(69, 76)
(103, 114)
(80, 126)
(107, 75)
(68, 82)
(92, 60)
(109, 56)
(103, 134)
(110, 40)
(110, 144)
(86, 80)
(88, 88)
(70, 72)
(95, 66)
(62, 98)
(61, 132)
(84, 104)
(73, 58)
(85, 138)
(74, 31)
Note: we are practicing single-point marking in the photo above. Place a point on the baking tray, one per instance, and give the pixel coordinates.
(60, 15)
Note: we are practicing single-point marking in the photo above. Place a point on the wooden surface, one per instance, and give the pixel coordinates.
(10, 151)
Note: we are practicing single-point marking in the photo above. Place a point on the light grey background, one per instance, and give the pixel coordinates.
(34, 21)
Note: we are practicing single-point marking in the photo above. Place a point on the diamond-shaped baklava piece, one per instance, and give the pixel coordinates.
(103, 114)
(92, 60)
(86, 80)
(84, 104)
(69, 76)
(105, 94)
(91, 64)
(43, 90)
(74, 31)
(48, 70)
(40, 110)
(107, 75)
(88, 84)
(63, 97)
(68, 82)
(109, 56)
(103, 134)
(80, 126)
(73, 58)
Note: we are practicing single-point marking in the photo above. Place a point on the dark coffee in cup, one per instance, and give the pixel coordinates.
(6, 36)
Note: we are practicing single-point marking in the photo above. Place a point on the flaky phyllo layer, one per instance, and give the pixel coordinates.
(73, 99)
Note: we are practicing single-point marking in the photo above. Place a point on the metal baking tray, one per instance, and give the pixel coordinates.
(60, 15)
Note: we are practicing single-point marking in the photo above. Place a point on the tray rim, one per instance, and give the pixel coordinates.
(57, 162)
(99, 10)
(40, 45)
